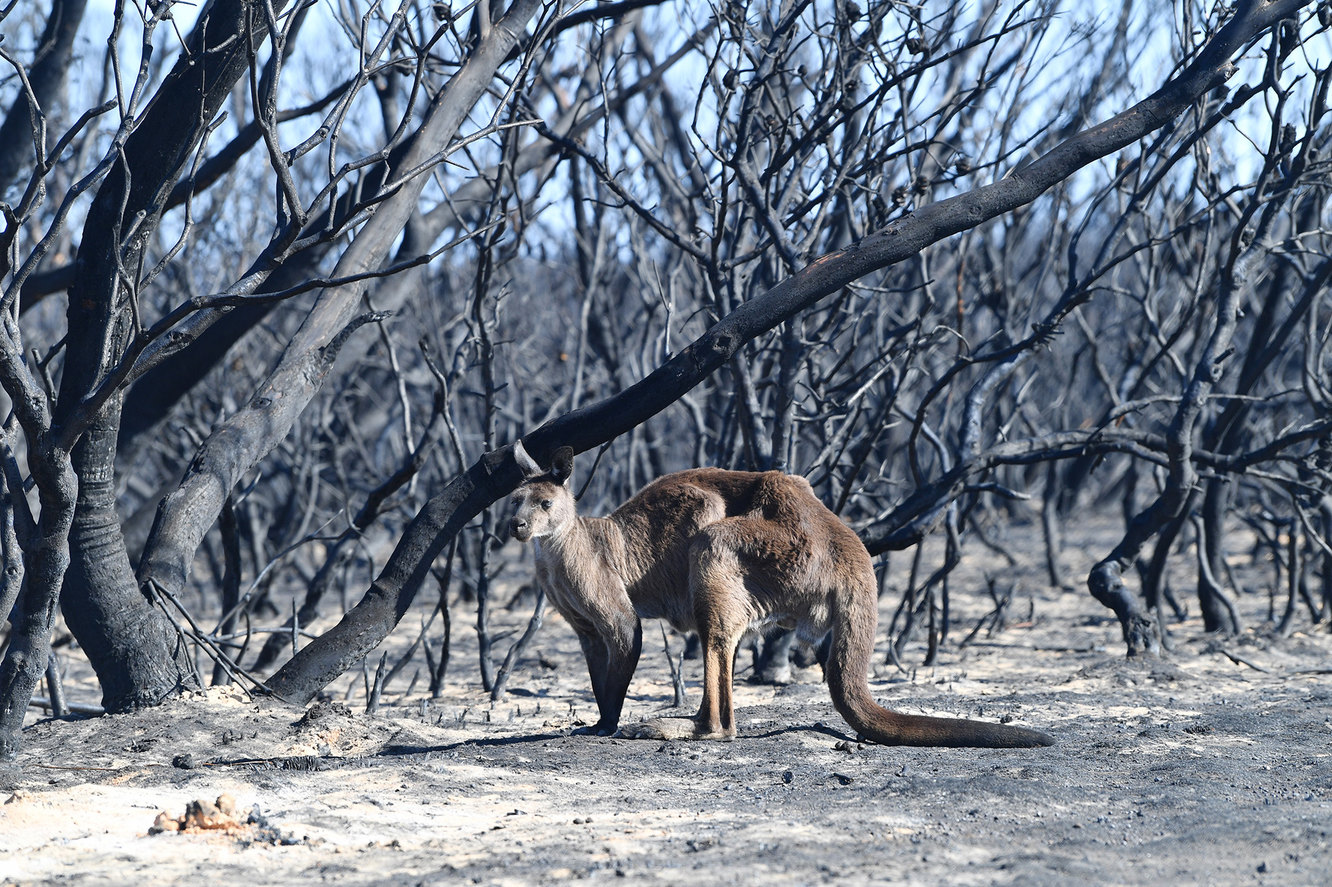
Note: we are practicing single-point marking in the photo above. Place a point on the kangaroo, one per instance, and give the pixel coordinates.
(718, 552)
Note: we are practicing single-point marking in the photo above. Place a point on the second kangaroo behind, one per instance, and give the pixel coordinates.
(718, 552)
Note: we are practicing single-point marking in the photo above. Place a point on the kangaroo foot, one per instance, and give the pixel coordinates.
(673, 728)
(594, 730)
(777, 675)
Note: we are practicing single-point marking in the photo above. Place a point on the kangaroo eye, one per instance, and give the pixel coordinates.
(546, 503)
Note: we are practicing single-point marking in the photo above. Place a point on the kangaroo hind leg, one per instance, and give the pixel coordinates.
(722, 612)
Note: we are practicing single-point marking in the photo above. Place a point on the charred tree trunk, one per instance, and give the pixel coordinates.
(134, 648)
(47, 79)
(34, 618)
(1218, 610)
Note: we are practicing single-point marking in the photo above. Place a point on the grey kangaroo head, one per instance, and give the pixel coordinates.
(543, 505)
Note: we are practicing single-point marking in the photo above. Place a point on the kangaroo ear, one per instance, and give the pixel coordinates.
(561, 468)
(526, 463)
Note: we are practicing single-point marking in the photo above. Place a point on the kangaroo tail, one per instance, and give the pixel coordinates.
(854, 622)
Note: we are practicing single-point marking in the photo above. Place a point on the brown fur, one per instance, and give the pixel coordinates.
(719, 552)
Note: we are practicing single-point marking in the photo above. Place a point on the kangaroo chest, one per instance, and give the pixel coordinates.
(587, 589)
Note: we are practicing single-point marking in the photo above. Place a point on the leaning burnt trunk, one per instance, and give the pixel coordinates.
(394, 590)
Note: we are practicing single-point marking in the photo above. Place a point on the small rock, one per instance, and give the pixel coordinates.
(206, 815)
(164, 823)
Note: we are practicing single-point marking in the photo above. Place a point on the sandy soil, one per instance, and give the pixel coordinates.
(1211, 767)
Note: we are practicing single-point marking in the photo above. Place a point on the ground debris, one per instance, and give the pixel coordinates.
(203, 816)
(320, 710)
(200, 816)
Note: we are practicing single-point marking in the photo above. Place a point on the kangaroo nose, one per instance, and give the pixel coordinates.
(517, 526)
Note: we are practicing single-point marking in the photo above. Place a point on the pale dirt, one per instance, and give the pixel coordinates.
(1198, 769)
